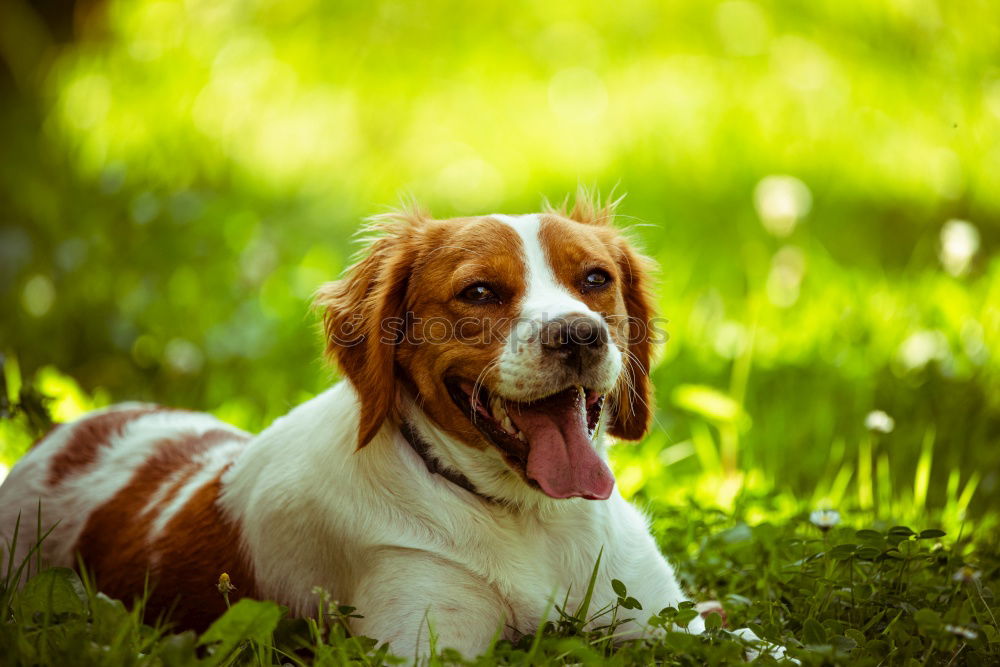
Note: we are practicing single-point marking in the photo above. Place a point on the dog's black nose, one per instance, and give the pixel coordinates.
(576, 338)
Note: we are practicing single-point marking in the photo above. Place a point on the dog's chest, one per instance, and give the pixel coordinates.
(539, 565)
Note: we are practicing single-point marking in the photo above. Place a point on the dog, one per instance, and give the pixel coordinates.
(456, 479)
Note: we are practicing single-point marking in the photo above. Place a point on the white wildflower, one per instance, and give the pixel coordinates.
(879, 421)
(923, 347)
(781, 202)
(966, 574)
(959, 244)
(961, 631)
(825, 519)
(225, 584)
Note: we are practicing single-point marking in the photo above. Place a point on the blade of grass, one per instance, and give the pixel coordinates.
(967, 493)
(866, 497)
(884, 486)
(921, 479)
(704, 449)
(584, 608)
(536, 642)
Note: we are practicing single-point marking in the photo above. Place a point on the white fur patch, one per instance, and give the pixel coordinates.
(545, 297)
(524, 372)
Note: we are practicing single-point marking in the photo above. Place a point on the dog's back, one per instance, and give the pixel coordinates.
(133, 489)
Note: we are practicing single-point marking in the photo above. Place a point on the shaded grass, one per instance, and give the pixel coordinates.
(860, 594)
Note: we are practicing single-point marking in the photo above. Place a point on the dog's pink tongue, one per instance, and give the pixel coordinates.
(560, 456)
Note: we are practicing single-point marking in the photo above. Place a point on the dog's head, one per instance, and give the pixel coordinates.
(520, 337)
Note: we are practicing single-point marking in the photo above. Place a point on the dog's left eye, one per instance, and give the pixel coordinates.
(478, 293)
(597, 278)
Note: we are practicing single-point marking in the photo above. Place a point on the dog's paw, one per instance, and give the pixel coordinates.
(758, 646)
(761, 647)
(712, 607)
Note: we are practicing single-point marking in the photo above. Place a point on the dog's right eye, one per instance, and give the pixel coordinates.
(478, 293)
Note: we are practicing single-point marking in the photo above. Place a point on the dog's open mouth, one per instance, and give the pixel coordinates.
(547, 440)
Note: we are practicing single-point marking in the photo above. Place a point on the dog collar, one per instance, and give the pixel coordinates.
(423, 450)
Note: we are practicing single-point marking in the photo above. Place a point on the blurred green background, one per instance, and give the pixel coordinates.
(819, 182)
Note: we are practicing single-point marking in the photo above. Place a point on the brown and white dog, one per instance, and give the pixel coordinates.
(458, 476)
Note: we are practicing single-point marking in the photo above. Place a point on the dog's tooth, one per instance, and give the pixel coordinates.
(496, 407)
(508, 425)
(520, 436)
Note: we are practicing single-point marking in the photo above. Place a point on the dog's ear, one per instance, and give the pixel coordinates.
(633, 408)
(363, 318)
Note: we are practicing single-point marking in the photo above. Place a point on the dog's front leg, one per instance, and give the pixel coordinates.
(407, 596)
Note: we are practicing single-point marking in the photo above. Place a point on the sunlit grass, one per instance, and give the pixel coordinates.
(274, 99)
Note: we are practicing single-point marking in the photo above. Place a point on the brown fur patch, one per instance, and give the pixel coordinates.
(357, 310)
(458, 254)
(417, 266)
(185, 561)
(633, 409)
(88, 436)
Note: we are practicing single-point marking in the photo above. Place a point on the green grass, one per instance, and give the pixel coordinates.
(858, 594)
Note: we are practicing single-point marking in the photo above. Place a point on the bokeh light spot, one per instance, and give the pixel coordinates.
(182, 356)
(38, 295)
(470, 185)
(578, 94)
(743, 27)
(959, 245)
(785, 277)
(781, 202)
(86, 100)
